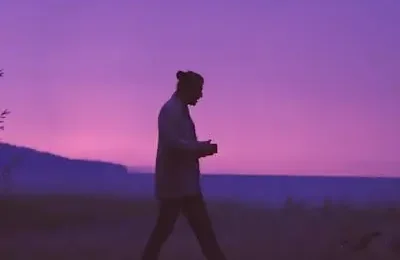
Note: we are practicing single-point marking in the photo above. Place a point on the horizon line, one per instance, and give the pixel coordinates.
(138, 169)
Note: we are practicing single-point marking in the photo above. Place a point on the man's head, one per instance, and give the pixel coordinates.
(189, 87)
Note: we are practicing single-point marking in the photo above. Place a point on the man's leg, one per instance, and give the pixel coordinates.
(167, 215)
(196, 213)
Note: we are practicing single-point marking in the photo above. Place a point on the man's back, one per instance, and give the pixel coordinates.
(177, 168)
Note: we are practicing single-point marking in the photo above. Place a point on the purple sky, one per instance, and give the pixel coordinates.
(294, 86)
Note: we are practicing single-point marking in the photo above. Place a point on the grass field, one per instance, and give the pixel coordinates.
(78, 227)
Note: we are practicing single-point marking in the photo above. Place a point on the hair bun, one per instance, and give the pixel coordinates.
(180, 74)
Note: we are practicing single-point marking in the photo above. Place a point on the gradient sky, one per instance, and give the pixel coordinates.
(291, 86)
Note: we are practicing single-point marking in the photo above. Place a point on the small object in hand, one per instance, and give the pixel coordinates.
(214, 148)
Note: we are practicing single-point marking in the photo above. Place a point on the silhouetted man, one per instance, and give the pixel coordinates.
(177, 177)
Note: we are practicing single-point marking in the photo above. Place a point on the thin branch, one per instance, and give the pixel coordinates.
(5, 112)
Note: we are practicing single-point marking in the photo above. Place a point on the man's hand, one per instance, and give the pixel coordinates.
(208, 148)
(213, 148)
(1, 73)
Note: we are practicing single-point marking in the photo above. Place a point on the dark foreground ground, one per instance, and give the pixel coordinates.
(81, 227)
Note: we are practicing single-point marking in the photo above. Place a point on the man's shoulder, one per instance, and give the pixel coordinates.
(170, 106)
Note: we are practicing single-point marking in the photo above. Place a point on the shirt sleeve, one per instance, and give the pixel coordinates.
(168, 124)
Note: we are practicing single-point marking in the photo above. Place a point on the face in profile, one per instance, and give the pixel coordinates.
(195, 94)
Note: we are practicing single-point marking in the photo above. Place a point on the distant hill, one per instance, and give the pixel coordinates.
(140, 169)
(47, 163)
(42, 171)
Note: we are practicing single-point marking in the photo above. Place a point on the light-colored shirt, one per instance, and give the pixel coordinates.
(177, 172)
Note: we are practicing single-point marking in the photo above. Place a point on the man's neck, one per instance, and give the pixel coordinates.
(181, 99)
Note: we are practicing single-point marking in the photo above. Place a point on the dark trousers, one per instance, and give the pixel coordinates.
(195, 211)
